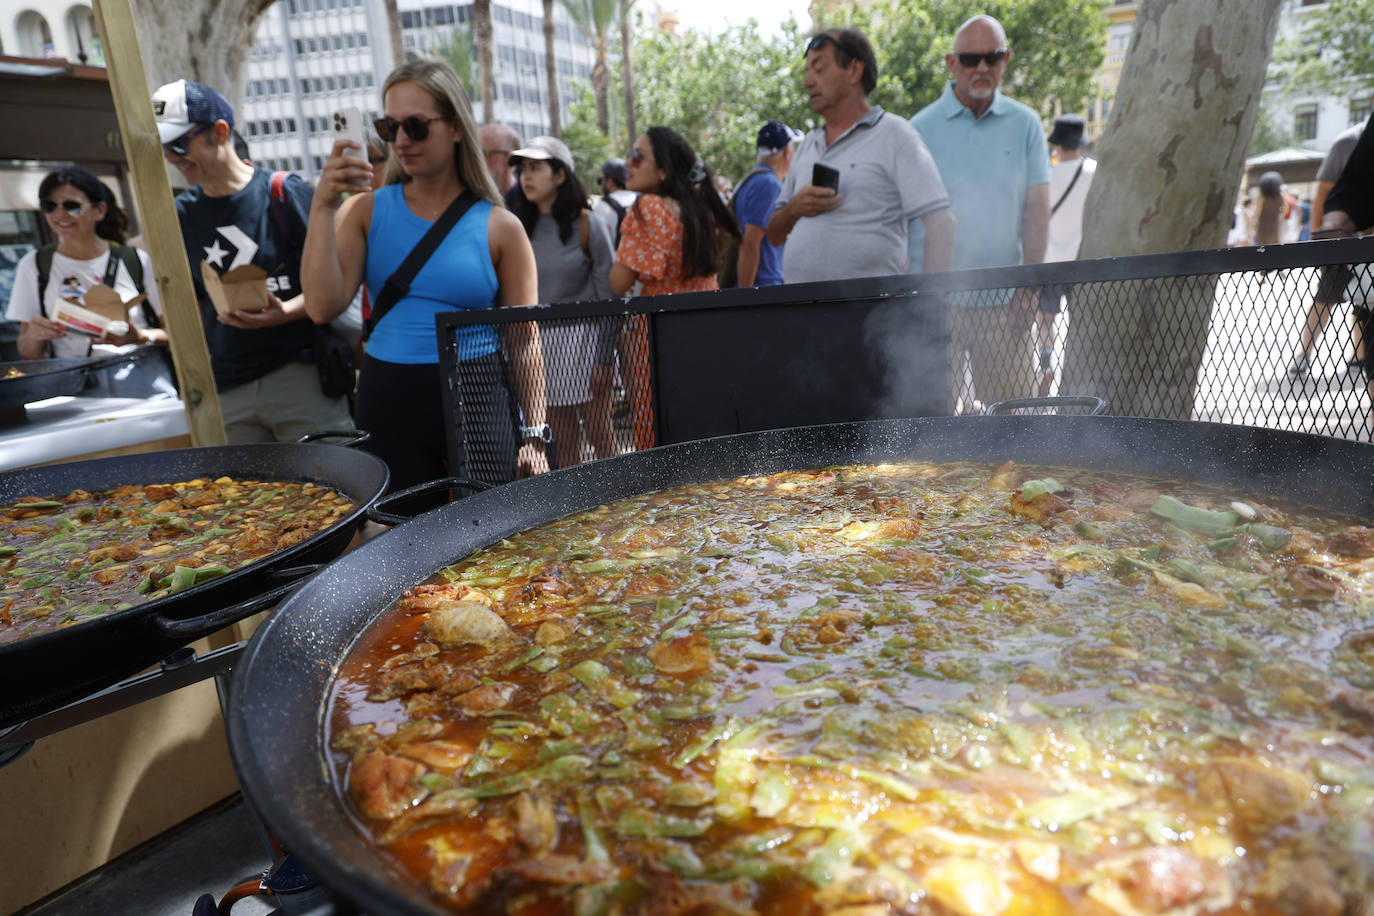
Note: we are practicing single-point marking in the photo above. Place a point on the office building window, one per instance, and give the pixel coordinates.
(1359, 109)
(1305, 123)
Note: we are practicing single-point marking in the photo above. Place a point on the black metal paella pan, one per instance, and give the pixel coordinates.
(280, 687)
(30, 380)
(47, 670)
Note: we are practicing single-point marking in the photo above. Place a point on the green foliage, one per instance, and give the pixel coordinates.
(1269, 134)
(587, 144)
(459, 50)
(1334, 52)
(717, 90)
(1057, 46)
(593, 18)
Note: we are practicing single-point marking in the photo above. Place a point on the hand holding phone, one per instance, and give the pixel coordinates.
(823, 176)
(348, 125)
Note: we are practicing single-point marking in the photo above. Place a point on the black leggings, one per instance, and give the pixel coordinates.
(402, 407)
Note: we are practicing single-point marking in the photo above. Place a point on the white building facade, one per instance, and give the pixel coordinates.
(311, 58)
(1313, 119)
(50, 28)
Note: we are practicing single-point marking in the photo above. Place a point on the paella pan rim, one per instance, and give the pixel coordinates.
(275, 719)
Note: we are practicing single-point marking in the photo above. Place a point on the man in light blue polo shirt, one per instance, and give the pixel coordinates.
(994, 163)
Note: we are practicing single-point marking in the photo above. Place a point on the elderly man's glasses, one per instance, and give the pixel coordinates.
(415, 126)
(182, 145)
(73, 207)
(991, 58)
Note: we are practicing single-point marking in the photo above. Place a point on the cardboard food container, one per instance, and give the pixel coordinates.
(95, 311)
(243, 289)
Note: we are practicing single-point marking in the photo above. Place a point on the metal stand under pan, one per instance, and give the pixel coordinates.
(285, 886)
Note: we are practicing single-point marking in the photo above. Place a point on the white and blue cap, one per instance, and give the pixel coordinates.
(182, 105)
(776, 135)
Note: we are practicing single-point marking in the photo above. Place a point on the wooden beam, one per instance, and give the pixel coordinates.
(148, 172)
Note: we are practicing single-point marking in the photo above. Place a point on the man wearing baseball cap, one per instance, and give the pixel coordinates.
(234, 214)
(760, 262)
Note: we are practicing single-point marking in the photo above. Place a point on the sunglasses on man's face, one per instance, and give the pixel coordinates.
(73, 207)
(991, 58)
(415, 126)
(820, 41)
(181, 145)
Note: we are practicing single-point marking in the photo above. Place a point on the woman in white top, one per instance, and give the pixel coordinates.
(90, 229)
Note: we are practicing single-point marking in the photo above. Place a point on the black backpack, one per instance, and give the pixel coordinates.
(619, 209)
(119, 254)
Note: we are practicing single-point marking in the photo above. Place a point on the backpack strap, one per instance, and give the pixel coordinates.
(282, 215)
(43, 260)
(758, 170)
(585, 233)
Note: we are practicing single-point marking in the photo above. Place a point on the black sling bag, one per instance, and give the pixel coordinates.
(398, 284)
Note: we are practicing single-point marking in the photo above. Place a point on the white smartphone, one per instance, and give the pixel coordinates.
(348, 125)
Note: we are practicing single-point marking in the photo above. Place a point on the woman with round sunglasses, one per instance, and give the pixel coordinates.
(573, 255)
(483, 262)
(90, 228)
(670, 242)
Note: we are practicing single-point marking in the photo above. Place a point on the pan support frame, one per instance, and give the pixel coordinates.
(180, 669)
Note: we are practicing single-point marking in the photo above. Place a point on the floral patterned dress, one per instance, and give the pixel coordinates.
(651, 246)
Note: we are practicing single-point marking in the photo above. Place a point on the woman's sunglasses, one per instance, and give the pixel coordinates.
(182, 145)
(634, 158)
(73, 207)
(991, 58)
(415, 126)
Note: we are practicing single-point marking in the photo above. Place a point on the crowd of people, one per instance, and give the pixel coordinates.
(437, 214)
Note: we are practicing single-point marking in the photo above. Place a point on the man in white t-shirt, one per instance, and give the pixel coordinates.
(1070, 177)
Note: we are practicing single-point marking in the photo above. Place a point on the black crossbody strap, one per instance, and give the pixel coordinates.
(398, 284)
(1065, 196)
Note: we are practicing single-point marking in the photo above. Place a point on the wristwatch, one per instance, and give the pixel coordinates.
(540, 432)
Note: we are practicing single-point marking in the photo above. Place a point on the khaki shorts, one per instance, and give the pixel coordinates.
(282, 406)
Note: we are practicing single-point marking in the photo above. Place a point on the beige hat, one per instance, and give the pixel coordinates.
(545, 148)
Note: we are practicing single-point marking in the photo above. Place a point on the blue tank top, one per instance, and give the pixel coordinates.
(459, 275)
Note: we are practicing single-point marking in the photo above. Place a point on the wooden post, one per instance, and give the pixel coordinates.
(143, 150)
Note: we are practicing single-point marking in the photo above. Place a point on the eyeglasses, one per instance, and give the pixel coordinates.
(181, 145)
(634, 158)
(73, 207)
(415, 126)
(991, 58)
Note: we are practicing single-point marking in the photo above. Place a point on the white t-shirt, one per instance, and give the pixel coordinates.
(1066, 223)
(72, 277)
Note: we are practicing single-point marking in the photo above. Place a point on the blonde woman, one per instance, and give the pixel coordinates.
(485, 261)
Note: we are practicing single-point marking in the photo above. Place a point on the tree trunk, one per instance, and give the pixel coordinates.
(393, 25)
(206, 41)
(552, 67)
(1170, 163)
(481, 15)
(626, 61)
(601, 86)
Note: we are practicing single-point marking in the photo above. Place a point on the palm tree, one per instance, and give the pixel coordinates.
(552, 67)
(481, 19)
(393, 24)
(594, 19)
(627, 68)
(457, 51)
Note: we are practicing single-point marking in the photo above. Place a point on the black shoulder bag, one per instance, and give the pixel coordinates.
(398, 284)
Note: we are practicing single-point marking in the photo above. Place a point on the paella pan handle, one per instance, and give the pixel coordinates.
(376, 512)
(195, 627)
(353, 436)
(1097, 404)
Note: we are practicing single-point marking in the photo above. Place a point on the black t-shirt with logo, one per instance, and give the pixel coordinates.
(242, 229)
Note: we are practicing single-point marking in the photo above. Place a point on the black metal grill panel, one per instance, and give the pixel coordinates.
(1214, 336)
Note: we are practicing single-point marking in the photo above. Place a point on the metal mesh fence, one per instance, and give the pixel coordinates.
(1260, 337)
